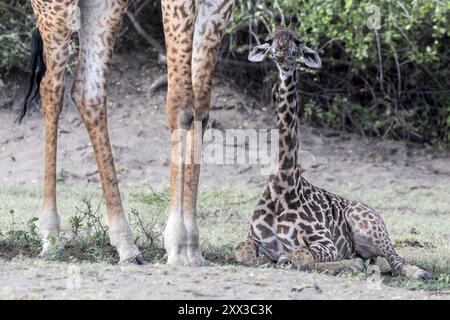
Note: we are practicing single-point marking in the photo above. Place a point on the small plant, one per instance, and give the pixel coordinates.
(148, 236)
(147, 229)
(89, 235)
(153, 197)
(24, 241)
(444, 279)
(95, 230)
(76, 223)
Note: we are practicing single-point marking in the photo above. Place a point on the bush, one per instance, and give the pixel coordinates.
(16, 23)
(393, 81)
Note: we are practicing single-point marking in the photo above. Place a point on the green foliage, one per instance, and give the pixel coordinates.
(441, 283)
(25, 239)
(391, 81)
(16, 23)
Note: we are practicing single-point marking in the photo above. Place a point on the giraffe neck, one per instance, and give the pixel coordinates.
(287, 119)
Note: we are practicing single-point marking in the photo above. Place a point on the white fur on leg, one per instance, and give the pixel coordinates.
(175, 240)
(122, 239)
(49, 230)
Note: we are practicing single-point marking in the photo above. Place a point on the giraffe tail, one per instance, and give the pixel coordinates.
(38, 69)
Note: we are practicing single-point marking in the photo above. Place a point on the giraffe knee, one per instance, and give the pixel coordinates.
(90, 103)
(185, 119)
(52, 93)
(202, 115)
(88, 92)
(182, 119)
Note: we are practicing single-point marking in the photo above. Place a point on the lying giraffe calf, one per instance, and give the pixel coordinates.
(296, 221)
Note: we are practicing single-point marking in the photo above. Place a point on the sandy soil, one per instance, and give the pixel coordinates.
(140, 140)
(140, 136)
(45, 280)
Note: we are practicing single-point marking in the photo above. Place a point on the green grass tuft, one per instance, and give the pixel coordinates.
(420, 233)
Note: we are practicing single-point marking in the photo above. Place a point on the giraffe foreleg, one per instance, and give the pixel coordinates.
(247, 253)
(209, 26)
(55, 37)
(192, 173)
(99, 24)
(178, 19)
(261, 246)
(175, 234)
(304, 261)
(311, 257)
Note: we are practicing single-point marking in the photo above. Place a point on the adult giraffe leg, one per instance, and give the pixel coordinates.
(211, 21)
(53, 26)
(178, 19)
(99, 22)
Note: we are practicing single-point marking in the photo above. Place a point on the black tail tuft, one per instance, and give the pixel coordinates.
(37, 71)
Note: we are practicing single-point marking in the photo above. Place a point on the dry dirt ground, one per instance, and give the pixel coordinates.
(140, 139)
(43, 280)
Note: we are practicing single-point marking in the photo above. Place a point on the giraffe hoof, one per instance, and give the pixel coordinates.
(358, 264)
(138, 261)
(426, 276)
(283, 261)
(411, 271)
(51, 250)
(196, 258)
(178, 259)
(197, 262)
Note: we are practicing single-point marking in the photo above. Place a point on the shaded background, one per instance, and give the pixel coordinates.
(392, 81)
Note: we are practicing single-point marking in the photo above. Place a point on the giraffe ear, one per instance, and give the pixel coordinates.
(259, 53)
(311, 58)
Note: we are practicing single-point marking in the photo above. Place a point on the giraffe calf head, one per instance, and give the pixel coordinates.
(285, 47)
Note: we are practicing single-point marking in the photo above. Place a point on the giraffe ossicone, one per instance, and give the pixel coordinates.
(295, 221)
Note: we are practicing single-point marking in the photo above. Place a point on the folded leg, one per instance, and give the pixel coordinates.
(247, 253)
(372, 239)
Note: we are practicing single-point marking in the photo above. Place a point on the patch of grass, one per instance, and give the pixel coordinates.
(423, 200)
(23, 241)
(85, 236)
(440, 284)
(421, 235)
